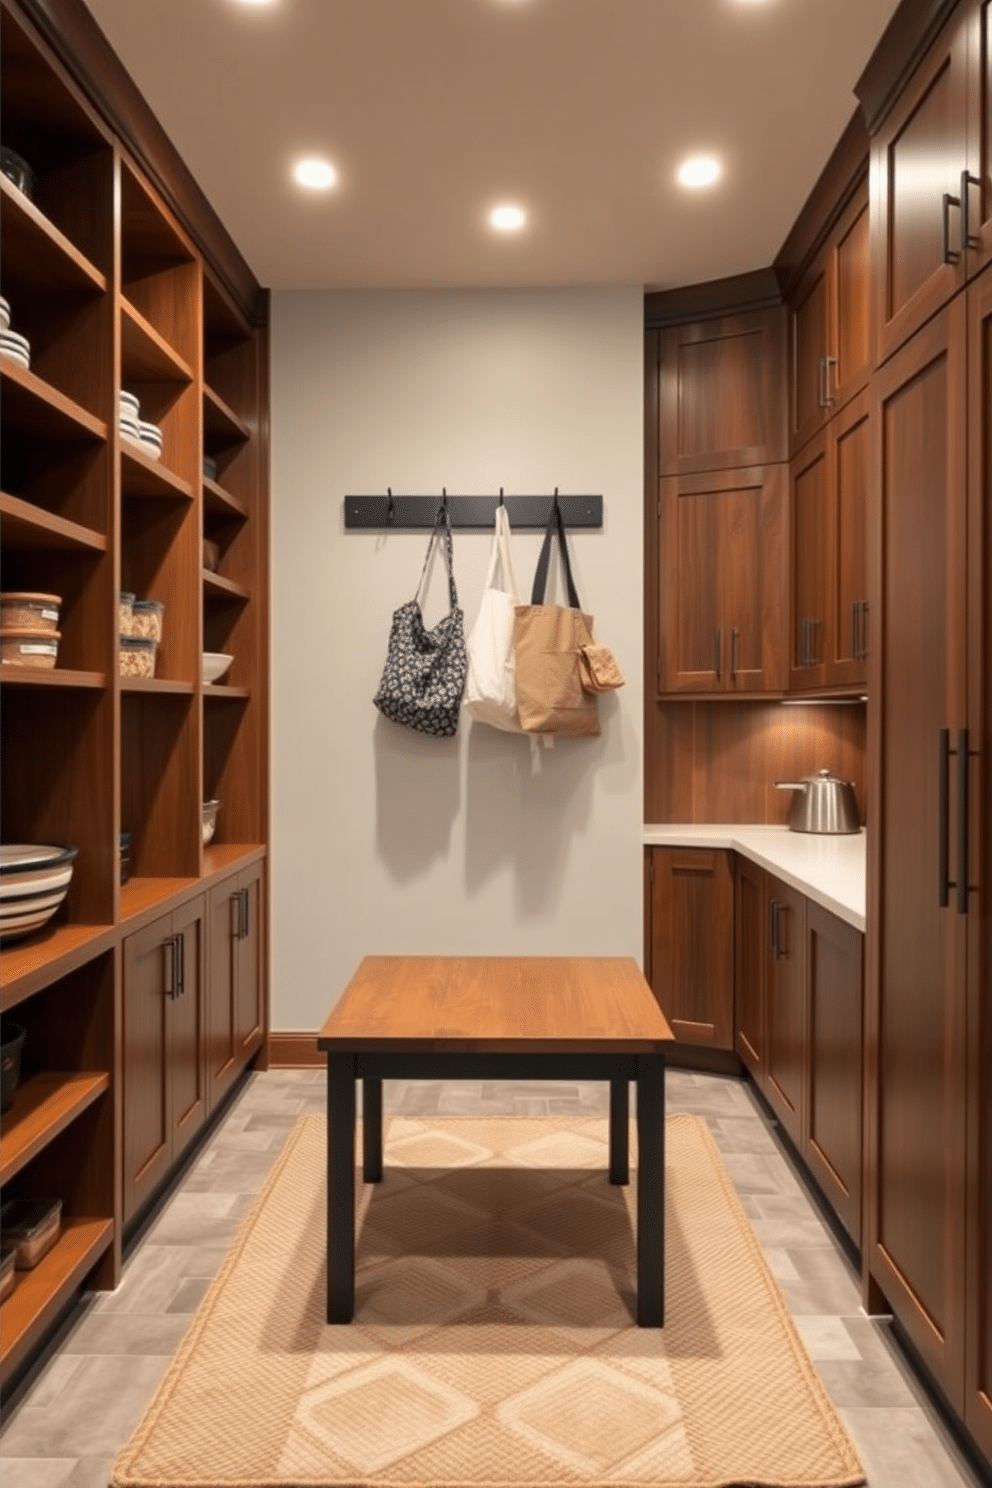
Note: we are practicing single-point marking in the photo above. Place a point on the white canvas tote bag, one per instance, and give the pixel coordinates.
(491, 686)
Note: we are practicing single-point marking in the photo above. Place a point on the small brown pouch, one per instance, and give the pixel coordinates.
(598, 669)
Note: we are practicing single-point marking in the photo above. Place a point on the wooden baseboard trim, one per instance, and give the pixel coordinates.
(295, 1051)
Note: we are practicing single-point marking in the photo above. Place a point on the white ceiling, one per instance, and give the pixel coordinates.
(433, 111)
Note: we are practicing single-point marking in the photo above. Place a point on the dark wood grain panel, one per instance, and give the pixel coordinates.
(220, 1039)
(849, 632)
(750, 966)
(147, 1093)
(716, 762)
(810, 565)
(787, 1028)
(916, 1223)
(832, 1141)
(186, 1070)
(692, 940)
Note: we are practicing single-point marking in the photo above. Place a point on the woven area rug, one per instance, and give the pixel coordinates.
(494, 1341)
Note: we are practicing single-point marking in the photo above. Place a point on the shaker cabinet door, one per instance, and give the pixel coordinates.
(692, 943)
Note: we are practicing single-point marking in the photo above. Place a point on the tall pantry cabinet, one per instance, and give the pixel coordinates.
(929, 1023)
(140, 1000)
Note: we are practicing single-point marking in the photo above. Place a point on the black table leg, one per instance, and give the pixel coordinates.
(371, 1129)
(650, 1191)
(619, 1134)
(340, 1188)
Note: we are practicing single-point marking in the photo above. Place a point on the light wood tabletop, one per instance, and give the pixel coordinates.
(497, 1004)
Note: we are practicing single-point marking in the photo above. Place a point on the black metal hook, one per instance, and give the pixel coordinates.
(501, 502)
(391, 509)
(442, 511)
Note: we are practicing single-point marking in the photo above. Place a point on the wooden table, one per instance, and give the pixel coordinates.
(496, 1018)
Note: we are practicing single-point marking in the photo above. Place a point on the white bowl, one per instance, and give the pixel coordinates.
(215, 664)
(34, 880)
(4, 314)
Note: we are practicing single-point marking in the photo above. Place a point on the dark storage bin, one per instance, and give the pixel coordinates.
(32, 1227)
(11, 1043)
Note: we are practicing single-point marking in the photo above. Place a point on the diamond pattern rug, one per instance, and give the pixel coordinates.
(494, 1344)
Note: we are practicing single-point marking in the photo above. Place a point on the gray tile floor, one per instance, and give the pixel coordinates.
(65, 1429)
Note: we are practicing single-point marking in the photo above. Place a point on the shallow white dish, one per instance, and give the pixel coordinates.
(4, 313)
(215, 664)
(14, 341)
(13, 352)
(16, 857)
(128, 404)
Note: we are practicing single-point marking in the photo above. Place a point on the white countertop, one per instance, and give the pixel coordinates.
(830, 870)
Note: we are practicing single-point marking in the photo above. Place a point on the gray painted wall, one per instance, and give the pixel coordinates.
(384, 841)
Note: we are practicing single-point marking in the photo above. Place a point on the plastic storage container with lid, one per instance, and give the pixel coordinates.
(29, 648)
(8, 1255)
(137, 656)
(32, 1227)
(125, 605)
(21, 610)
(146, 618)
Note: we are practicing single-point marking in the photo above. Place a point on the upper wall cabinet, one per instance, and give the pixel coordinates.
(720, 393)
(830, 325)
(932, 180)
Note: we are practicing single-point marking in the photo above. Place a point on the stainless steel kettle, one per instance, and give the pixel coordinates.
(822, 803)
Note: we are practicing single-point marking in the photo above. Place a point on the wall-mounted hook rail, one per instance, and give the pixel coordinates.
(410, 512)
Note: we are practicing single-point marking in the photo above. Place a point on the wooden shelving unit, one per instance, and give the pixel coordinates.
(111, 282)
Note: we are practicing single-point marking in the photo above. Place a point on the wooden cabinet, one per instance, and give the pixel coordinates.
(691, 968)
(799, 1027)
(119, 283)
(720, 393)
(829, 488)
(235, 978)
(832, 1144)
(164, 1096)
(722, 581)
(830, 325)
(931, 186)
(750, 966)
(787, 1033)
(920, 940)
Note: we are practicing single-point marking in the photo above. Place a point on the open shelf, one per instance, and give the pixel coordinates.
(143, 476)
(44, 1106)
(26, 526)
(221, 424)
(36, 408)
(217, 690)
(217, 587)
(42, 958)
(146, 354)
(40, 1294)
(36, 253)
(220, 503)
(139, 895)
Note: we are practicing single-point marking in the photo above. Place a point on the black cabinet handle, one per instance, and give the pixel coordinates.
(735, 636)
(949, 256)
(963, 855)
(863, 646)
(244, 896)
(967, 181)
(943, 767)
(855, 627)
(181, 945)
(804, 645)
(773, 927)
(235, 916)
(169, 977)
(719, 655)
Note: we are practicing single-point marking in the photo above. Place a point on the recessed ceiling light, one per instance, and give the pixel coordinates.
(507, 218)
(318, 175)
(699, 170)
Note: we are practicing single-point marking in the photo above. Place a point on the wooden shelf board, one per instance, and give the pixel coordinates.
(141, 894)
(219, 857)
(42, 958)
(18, 676)
(40, 1294)
(33, 406)
(143, 476)
(26, 527)
(220, 419)
(215, 586)
(36, 253)
(160, 685)
(218, 690)
(44, 1106)
(220, 502)
(145, 354)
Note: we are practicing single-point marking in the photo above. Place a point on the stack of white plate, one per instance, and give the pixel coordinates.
(4, 313)
(127, 413)
(34, 879)
(150, 438)
(18, 348)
